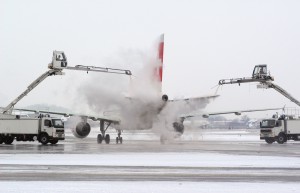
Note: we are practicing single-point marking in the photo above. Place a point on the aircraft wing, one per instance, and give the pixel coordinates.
(206, 115)
(188, 105)
(94, 118)
(196, 99)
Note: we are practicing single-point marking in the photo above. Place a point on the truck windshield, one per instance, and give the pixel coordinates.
(260, 70)
(61, 57)
(57, 123)
(268, 124)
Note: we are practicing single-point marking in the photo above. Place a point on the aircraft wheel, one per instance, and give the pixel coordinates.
(107, 139)
(99, 138)
(119, 140)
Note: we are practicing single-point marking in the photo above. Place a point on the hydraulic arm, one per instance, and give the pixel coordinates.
(8, 108)
(264, 79)
(259, 75)
(59, 61)
(240, 80)
(282, 91)
(58, 64)
(99, 69)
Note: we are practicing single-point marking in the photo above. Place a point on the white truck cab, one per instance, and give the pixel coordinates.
(53, 129)
(280, 130)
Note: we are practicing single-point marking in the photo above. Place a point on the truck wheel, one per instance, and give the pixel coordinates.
(8, 140)
(1, 139)
(54, 141)
(281, 138)
(269, 140)
(44, 139)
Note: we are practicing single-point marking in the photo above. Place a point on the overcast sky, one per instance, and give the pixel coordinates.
(204, 41)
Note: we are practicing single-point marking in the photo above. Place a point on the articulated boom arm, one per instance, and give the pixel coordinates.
(264, 79)
(260, 74)
(99, 69)
(58, 64)
(8, 108)
(59, 61)
(282, 91)
(241, 80)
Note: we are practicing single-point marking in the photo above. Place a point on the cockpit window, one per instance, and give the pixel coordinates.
(57, 123)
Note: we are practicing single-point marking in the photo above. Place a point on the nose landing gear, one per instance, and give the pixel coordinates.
(119, 139)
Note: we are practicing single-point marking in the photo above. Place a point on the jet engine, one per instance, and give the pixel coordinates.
(81, 130)
(179, 127)
(165, 97)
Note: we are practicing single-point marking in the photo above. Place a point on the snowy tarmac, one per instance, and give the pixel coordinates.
(205, 161)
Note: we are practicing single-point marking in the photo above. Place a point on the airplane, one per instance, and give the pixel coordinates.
(147, 108)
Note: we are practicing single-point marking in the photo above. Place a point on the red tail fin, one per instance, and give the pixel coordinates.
(161, 57)
(158, 71)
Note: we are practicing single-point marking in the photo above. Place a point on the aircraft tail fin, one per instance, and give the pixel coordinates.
(159, 67)
(161, 56)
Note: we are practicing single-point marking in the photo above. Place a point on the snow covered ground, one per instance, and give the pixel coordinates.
(147, 187)
(206, 161)
(190, 159)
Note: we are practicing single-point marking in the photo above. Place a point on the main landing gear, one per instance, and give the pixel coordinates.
(100, 138)
(106, 137)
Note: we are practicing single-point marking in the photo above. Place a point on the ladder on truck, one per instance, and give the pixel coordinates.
(58, 64)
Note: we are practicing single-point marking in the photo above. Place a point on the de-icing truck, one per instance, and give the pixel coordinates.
(44, 129)
(281, 130)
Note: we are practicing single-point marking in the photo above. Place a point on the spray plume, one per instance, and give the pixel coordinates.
(136, 100)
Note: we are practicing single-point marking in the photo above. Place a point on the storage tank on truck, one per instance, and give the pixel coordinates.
(43, 129)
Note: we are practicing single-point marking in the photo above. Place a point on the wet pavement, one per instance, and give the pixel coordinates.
(131, 148)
